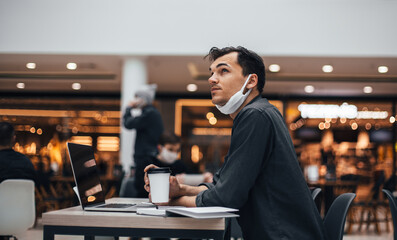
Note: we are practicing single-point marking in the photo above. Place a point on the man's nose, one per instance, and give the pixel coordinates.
(212, 80)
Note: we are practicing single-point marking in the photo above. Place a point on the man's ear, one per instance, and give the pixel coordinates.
(159, 147)
(253, 82)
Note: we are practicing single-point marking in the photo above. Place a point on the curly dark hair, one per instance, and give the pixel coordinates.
(248, 60)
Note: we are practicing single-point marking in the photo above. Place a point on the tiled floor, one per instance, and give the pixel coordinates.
(37, 234)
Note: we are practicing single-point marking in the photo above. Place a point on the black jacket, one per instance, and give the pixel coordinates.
(148, 126)
(14, 165)
(262, 178)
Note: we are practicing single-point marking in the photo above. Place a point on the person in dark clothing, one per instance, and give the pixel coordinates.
(149, 127)
(261, 175)
(13, 165)
(169, 147)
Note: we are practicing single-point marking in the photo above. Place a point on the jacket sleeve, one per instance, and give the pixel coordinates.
(251, 144)
(138, 122)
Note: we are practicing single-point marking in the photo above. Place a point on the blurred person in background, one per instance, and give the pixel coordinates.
(142, 116)
(13, 165)
(261, 175)
(169, 148)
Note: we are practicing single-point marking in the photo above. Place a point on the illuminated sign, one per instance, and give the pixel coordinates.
(335, 111)
(328, 111)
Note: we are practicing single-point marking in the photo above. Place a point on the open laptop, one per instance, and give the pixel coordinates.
(89, 187)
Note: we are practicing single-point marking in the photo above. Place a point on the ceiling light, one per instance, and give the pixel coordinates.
(274, 68)
(368, 89)
(21, 85)
(328, 68)
(383, 69)
(309, 89)
(31, 65)
(191, 87)
(71, 66)
(76, 86)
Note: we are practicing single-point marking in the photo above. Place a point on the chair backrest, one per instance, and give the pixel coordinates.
(315, 193)
(334, 221)
(393, 209)
(17, 206)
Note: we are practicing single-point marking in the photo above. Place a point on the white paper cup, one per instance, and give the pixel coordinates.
(159, 184)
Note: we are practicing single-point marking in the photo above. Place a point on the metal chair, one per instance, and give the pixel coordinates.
(393, 209)
(334, 221)
(17, 206)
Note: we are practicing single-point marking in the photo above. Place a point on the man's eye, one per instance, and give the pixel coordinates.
(224, 70)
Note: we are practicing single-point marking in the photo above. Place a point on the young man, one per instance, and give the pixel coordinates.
(169, 147)
(261, 175)
(13, 165)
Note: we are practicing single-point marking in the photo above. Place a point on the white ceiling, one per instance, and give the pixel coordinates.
(103, 74)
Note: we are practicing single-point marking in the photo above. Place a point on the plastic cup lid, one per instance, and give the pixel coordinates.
(159, 170)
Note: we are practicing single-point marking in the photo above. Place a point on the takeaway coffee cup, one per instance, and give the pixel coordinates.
(159, 184)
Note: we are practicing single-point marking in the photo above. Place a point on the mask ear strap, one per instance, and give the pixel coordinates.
(246, 82)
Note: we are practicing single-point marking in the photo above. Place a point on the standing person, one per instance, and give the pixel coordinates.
(13, 165)
(260, 176)
(149, 127)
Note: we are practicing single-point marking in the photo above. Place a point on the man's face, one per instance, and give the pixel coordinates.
(226, 78)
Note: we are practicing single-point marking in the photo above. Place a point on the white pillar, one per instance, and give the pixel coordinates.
(134, 76)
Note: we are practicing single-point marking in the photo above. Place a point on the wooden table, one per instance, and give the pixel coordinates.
(75, 221)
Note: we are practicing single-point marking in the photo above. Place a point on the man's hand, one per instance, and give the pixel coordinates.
(175, 187)
(208, 177)
(146, 178)
(137, 103)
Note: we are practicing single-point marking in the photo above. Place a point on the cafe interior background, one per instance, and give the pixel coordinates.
(68, 73)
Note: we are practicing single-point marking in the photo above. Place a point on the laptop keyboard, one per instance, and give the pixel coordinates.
(116, 205)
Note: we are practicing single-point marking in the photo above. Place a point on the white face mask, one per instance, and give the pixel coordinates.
(167, 156)
(235, 101)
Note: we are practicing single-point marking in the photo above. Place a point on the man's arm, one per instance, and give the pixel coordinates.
(188, 196)
(187, 190)
(187, 201)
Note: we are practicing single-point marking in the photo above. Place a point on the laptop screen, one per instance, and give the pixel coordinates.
(86, 174)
